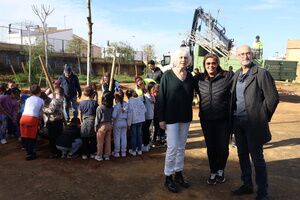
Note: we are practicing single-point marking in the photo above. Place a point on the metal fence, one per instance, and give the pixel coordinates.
(22, 36)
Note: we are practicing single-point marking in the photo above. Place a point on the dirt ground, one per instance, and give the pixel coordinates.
(141, 177)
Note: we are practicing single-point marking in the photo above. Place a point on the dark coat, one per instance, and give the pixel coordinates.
(214, 96)
(261, 100)
(70, 85)
(70, 133)
(156, 74)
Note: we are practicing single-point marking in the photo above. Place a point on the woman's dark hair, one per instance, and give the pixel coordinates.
(119, 96)
(94, 86)
(150, 86)
(216, 58)
(138, 78)
(35, 89)
(130, 93)
(88, 91)
(107, 99)
(75, 121)
(45, 97)
(59, 90)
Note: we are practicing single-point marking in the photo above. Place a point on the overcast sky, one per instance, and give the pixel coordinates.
(165, 23)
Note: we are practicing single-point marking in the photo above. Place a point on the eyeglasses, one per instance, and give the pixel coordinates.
(210, 63)
(245, 54)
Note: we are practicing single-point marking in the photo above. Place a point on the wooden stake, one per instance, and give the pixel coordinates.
(48, 77)
(13, 70)
(23, 67)
(112, 73)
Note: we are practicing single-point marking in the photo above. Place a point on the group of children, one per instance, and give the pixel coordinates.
(24, 115)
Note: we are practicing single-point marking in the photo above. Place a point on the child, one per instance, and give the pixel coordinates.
(69, 141)
(159, 134)
(104, 83)
(87, 110)
(120, 115)
(3, 128)
(149, 101)
(55, 119)
(10, 85)
(140, 86)
(9, 106)
(103, 126)
(30, 120)
(136, 116)
(95, 92)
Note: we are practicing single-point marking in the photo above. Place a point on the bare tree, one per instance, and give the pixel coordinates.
(89, 46)
(43, 12)
(149, 52)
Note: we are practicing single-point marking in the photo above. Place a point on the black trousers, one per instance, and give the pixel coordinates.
(158, 131)
(146, 132)
(89, 145)
(55, 129)
(216, 134)
(29, 144)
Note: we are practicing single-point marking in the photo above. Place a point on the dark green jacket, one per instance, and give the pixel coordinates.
(175, 98)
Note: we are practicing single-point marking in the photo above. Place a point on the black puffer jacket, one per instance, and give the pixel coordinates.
(214, 95)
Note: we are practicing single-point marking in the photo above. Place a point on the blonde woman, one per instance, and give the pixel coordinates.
(175, 114)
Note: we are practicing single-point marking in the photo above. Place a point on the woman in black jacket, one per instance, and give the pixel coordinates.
(214, 91)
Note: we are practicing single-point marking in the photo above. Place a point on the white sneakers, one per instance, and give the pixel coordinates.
(146, 148)
(116, 155)
(135, 152)
(123, 154)
(98, 158)
(3, 141)
(132, 152)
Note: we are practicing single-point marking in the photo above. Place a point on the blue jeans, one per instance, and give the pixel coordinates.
(246, 147)
(3, 126)
(73, 102)
(136, 136)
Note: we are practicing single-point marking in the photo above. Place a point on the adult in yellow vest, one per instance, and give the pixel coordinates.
(257, 48)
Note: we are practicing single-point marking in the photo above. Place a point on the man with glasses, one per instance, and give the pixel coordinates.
(253, 102)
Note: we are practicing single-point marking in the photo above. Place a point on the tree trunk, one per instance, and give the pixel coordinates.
(112, 73)
(89, 46)
(119, 66)
(135, 68)
(79, 65)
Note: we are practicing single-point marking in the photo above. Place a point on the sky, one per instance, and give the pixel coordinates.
(165, 23)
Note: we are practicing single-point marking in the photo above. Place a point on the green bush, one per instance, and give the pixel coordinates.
(124, 78)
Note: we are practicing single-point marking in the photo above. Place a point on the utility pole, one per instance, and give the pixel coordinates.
(89, 46)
